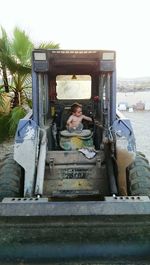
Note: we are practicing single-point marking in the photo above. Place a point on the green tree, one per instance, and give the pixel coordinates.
(15, 60)
(15, 69)
(18, 63)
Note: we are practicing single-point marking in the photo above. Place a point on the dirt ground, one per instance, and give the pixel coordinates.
(141, 125)
(140, 121)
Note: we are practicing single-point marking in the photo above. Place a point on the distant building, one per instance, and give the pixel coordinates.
(140, 105)
(122, 106)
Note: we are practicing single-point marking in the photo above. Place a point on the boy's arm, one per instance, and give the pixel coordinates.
(87, 118)
(69, 120)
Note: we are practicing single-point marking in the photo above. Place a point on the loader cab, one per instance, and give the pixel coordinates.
(74, 165)
(62, 77)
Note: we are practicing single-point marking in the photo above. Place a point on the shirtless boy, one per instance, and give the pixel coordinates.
(74, 123)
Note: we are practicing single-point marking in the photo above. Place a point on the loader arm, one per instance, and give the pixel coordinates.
(110, 231)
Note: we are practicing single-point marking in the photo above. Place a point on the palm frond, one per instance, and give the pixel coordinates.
(22, 46)
(49, 45)
(4, 49)
(15, 67)
(4, 43)
(1, 97)
(16, 114)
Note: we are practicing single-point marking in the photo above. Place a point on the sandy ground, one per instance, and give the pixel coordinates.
(140, 121)
(141, 125)
(132, 98)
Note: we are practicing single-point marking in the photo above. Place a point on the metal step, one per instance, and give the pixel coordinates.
(77, 195)
(70, 157)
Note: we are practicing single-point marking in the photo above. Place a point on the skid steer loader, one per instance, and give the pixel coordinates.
(78, 197)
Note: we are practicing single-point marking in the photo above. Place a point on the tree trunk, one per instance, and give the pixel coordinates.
(5, 79)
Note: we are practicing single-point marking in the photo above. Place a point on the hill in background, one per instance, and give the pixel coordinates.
(133, 84)
(127, 84)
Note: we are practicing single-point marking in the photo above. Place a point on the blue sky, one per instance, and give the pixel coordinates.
(121, 25)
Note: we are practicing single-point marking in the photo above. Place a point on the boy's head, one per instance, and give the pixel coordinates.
(76, 109)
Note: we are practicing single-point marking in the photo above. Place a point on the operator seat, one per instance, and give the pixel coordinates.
(75, 141)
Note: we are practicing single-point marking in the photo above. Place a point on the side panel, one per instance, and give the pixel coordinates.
(125, 150)
(25, 151)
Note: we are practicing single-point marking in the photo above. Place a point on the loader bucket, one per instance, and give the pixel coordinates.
(101, 232)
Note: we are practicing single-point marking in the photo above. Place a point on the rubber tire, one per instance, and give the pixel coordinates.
(11, 178)
(139, 176)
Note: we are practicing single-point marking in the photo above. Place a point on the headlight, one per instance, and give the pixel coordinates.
(40, 56)
(108, 56)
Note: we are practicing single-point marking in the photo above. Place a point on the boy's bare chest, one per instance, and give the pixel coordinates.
(76, 119)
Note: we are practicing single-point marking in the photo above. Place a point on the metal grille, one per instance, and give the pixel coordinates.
(75, 173)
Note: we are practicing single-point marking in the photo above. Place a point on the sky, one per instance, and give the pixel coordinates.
(120, 25)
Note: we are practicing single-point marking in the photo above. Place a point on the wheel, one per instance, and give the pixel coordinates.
(11, 179)
(139, 176)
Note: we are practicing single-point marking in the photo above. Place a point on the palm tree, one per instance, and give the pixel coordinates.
(18, 63)
(15, 60)
(15, 57)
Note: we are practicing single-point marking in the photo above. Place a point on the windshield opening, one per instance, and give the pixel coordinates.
(73, 86)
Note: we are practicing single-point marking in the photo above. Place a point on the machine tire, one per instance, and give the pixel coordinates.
(11, 178)
(139, 176)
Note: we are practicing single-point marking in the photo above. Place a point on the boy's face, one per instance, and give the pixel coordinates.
(78, 112)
